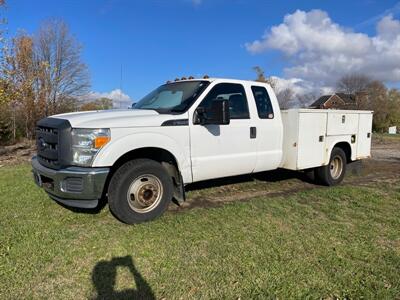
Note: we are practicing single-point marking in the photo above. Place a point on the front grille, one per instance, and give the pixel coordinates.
(47, 146)
(53, 138)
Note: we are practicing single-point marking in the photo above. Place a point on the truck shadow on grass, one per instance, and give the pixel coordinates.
(104, 276)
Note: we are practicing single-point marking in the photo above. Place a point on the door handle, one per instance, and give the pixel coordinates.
(253, 132)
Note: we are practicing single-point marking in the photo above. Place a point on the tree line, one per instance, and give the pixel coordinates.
(41, 74)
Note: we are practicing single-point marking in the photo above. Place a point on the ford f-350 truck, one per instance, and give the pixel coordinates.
(186, 131)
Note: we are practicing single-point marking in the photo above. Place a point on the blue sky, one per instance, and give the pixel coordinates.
(157, 40)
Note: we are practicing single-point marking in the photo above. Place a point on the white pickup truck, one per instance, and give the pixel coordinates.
(185, 131)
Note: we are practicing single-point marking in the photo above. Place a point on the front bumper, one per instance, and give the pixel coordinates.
(72, 186)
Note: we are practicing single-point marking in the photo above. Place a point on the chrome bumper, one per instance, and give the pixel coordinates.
(72, 186)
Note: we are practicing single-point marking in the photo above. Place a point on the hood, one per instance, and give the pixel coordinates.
(115, 118)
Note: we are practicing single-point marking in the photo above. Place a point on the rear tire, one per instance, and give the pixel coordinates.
(139, 191)
(333, 173)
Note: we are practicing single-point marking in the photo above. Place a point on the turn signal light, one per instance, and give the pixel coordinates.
(100, 141)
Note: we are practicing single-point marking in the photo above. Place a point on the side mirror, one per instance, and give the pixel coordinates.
(217, 114)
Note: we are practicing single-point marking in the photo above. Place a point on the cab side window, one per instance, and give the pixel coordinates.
(236, 95)
(263, 102)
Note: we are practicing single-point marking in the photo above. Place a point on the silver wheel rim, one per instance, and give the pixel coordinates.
(144, 193)
(336, 167)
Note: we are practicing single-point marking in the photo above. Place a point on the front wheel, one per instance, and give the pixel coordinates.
(139, 191)
(333, 173)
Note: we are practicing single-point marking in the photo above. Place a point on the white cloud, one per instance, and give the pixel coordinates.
(119, 98)
(320, 50)
(297, 85)
(300, 86)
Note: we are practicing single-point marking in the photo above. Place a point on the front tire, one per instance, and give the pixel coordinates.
(139, 191)
(333, 173)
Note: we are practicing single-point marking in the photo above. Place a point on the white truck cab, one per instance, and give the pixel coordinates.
(185, 131)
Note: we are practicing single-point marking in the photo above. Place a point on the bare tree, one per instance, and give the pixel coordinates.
(261, 77)
(353, 83)
(285, 98)
(378, 102)
(304, 100)
(98, 104)
(40, 75)
(58, 54)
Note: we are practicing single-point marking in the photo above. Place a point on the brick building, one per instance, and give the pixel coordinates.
(337, 101)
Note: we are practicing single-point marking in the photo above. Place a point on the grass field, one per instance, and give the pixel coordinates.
(320, 243)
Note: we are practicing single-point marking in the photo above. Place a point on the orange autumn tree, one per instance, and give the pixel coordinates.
(41, 75)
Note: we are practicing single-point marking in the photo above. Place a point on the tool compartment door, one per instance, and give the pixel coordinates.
(341, 123)
(311, 141)
(364, 136)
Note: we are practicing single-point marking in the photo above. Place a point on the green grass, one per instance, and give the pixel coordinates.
(322, 243)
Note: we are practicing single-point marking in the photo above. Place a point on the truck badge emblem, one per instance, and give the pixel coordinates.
(42, 144)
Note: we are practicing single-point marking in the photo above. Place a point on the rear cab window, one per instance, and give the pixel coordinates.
(263, 102)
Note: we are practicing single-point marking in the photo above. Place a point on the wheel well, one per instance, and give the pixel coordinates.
(346, 148)
(166, 158)
(157, 154)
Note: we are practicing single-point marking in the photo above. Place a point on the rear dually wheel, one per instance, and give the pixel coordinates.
(333, 173)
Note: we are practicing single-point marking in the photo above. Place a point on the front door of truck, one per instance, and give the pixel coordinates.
(224, 150)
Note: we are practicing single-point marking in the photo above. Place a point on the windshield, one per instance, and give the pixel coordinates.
(173, 97)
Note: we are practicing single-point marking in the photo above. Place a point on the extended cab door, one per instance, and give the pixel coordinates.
(224, 150)
(269, 127)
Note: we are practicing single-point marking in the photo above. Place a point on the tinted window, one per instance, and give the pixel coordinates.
(236, 95)
(263, 102)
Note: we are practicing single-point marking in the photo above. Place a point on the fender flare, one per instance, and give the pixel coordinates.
(108, 155)
(340, 139)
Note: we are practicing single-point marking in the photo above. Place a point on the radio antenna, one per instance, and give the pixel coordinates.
(120, 87)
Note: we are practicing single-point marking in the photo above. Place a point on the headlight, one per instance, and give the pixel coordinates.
(86, 143)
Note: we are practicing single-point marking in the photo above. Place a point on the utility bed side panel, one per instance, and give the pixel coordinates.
(311, 142)
(290, 120)
(310, 135)
(303, 139)
(364, 136)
